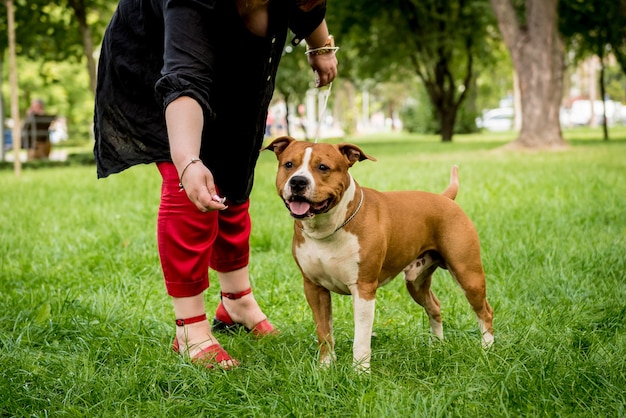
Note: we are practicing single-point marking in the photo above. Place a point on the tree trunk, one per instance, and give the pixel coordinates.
(13, 81)
(80, 11)
(537, 53)
(287, 99)
(517, 104)
(605, 127)
(442, 93)
(447, 119)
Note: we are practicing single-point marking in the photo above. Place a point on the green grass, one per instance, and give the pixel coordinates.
(86, 325)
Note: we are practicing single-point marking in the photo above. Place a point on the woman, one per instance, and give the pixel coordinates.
(187, 84)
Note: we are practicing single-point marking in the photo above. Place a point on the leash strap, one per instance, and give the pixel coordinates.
(323, 112)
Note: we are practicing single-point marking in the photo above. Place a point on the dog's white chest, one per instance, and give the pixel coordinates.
(331, 263)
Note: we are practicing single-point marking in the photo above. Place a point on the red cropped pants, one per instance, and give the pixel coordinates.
(190, 242)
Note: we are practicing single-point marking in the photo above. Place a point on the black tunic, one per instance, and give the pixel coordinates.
(155, 51)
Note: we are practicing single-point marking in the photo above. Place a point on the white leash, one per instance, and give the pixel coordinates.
(323, 112)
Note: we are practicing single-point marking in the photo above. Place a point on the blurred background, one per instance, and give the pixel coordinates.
(434, 66)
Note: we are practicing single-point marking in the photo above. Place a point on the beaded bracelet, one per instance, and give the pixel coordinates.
(180, 183)
(328, 47)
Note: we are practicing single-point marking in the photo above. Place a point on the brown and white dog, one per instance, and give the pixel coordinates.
(351, 240)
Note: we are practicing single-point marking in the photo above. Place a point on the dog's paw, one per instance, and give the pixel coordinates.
(361, 367)
(361, 363)
(487, 340)
(327, 359)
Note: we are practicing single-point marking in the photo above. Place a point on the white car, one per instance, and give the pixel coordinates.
(500, 119)
(581, 114)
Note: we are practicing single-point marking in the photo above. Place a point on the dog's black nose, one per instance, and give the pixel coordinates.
(298, 183)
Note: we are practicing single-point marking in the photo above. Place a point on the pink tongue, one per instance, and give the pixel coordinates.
(299, 208)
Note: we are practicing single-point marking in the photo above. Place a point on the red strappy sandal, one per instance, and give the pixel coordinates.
(210, 356)
(223, 321)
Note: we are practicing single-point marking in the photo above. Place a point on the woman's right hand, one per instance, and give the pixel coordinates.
(200, 188)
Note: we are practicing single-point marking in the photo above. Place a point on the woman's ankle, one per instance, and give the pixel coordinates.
(244, 310)
(195, 337)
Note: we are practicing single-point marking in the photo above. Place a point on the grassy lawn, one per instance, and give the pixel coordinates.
(86, 325)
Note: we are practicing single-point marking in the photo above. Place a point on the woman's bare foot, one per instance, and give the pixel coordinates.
(195, 337)
(194, 340)
(243, 309)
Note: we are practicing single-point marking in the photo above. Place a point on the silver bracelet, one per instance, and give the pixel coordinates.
(180, 183)
(328, 47)
(321, 51)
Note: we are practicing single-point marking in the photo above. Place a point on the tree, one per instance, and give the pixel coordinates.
(588, 33)
(13, 77)
(437, 39)
(46, 31)
(80, 12)
(531, 35)
(51, 37)
(596, 27)
(614, 13)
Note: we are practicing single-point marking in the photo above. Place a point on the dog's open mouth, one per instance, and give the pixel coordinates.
(300, 208)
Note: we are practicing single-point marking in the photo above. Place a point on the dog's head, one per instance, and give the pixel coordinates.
(312, 178)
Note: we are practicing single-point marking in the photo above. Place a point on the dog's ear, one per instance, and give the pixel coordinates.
(353, 153)
(279, 144)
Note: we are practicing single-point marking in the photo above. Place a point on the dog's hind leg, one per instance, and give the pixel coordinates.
(462, 258)
(472, 281)
(418, 277)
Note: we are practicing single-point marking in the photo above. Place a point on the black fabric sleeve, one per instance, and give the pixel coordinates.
(188, 57)
(303, 23)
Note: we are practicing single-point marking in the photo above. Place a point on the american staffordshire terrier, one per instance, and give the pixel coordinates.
(351, 240)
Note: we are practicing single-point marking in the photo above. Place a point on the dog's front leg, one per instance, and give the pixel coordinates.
(320, 303)
(364, 301)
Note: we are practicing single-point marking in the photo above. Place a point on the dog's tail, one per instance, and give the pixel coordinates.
(453, 187)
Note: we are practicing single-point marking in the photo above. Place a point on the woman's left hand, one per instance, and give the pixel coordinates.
(325, 68)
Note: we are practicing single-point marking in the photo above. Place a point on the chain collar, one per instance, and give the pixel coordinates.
(358, 208)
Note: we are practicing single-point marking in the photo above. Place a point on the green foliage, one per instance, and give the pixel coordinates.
(494, 73)
(295, 76)
(418, 116)
(51, 57)
(618, 32)
(373, 53)
(47, 30)
(87, 326)
(585, 28)
(595, 27)
(438, 41)
(615, 80)
(64, 88)
(466, 119)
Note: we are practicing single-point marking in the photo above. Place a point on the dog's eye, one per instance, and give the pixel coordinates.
(323, 168)
(288, 165)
